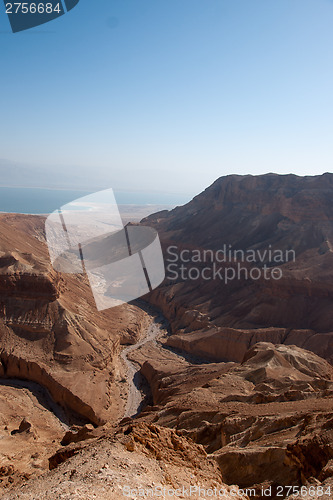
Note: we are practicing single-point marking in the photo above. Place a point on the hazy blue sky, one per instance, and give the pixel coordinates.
(169, 94)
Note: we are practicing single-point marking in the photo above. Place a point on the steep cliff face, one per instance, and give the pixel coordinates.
(253, 210)
(237, 225)
(234, 374)
(231, 344)
(268, 373)
(50, 330)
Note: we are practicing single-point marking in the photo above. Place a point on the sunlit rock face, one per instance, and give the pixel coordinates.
(51, 332)
(285, 222)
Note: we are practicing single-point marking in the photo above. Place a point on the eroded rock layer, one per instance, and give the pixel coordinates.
(50, 330)
(286, 221)
(267, 421)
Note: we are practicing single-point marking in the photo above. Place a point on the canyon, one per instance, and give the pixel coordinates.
(232, 385)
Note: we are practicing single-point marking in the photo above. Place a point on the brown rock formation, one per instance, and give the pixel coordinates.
(260, 214)
(50, 330)
(107, 468)
(240, 383)
(266, 421)
(230, 344)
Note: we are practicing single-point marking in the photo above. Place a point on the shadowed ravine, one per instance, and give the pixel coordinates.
(135, 398)
(44, 398)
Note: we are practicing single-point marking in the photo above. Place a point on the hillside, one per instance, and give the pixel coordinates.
(281, 222)
(234, 385)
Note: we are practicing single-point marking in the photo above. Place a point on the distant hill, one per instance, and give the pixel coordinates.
(254, 211)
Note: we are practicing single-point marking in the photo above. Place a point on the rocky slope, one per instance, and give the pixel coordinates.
(231, 344)
(286, 222)
(49, 327)
(241, 384)
(245, 211)
(266, 421)
(135, 462)
(52, 335)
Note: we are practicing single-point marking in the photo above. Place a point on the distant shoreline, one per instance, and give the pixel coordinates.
(38, 201)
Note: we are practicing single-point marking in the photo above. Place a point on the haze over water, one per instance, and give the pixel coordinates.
(43, 201)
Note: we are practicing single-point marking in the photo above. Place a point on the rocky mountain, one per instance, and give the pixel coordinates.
(286, 211)
(238, 226)
(238, 388)
(58, 358)
(50, 332)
